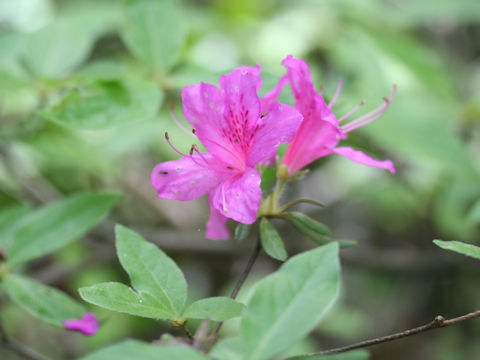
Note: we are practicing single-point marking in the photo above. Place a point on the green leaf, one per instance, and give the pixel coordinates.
(152, 271)
(119, 297)
(459, 247)
(132, 349)
(105, 103)
(155, 32)
(44, 302)
(227, 348)
(215, 308)
(474, 213)
(56, 49)
(271, 241)
(288, 304)
(242, 231)
(102, 69)
(10, 82)
(351, 355)
(9, 220)
(55, 225)
(316, 231)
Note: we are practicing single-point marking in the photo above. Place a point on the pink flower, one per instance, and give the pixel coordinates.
(87, 325)
(320, 131)
(239, 130)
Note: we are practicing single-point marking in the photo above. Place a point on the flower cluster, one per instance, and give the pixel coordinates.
(241, 133)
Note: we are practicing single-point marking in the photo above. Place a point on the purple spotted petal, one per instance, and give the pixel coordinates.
(242, 105)
(238, 198)
(277, 127)
(216, 224)
(364, 159)
(87, 325)
(187, 178)
(203, 107)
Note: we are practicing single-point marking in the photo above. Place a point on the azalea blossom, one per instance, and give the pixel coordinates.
(239, 131)
(320, 131)
(87, 325)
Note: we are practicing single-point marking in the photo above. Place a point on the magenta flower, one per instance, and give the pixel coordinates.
(87, 325)
(239, 130)
(320, 131)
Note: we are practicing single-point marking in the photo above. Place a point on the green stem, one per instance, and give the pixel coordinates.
(241, 280)
(299, 201)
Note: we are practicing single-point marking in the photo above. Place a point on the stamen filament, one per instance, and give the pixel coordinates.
(240, 160)
(171, 145)
(177, 120)
(372, 115)
(224, 205)
(337, 93)
(351, 112)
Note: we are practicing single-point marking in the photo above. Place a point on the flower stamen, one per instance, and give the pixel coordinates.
(171, 109)
(351, 112)
(337, 93)
(224, 205)
(372, 115)
(173, 147)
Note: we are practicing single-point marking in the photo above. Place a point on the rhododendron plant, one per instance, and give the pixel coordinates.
(239, 132)
(321, 131)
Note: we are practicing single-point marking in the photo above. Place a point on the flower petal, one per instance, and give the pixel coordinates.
(187, 178)
(310, 103)
(270, 98)
(238, 198)
(255, 71)
(242, 105)
(277, 127)
(216, 224)
(203, 107)
(313, 140)
(364, 159)
(242, 110)
(87, 325)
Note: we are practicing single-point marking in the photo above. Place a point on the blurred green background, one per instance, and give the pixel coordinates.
(85, 88)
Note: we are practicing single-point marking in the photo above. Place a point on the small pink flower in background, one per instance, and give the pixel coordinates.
(239, 131)
(320, 131)
(87, 325)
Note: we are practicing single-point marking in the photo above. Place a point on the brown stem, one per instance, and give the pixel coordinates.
(241, 280)
(188, 333)
(438, 322)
